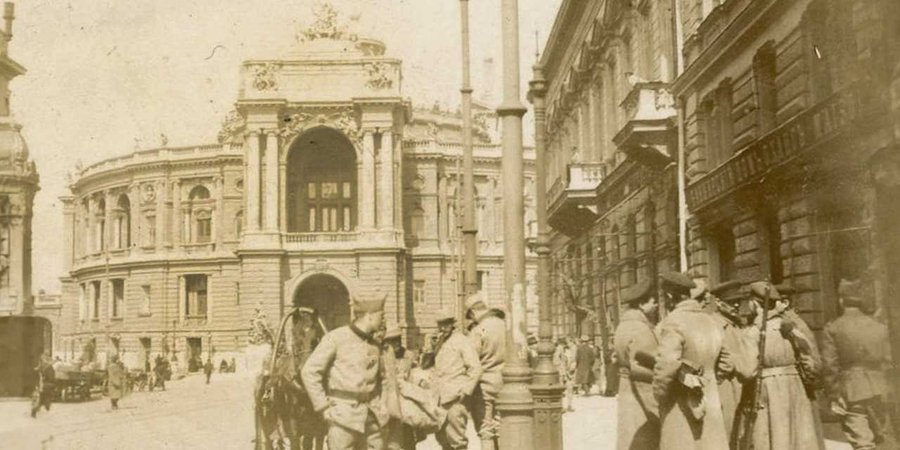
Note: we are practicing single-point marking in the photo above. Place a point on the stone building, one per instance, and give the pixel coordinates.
(610, 133)
(326, 184)
(18, 185)
(785, 116)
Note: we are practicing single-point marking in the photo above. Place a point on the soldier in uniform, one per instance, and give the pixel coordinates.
(343, 379)
(638, 414)
(784, 417)
(690, 342)
(489, 336)
(733, 369)
(397, 435)
(856, 352)
(115, 381)
(457, 370)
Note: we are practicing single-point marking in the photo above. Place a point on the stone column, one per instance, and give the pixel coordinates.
(90, 236)
(398, 181)
(252, 184)
(444, 212)
(161, 189)
(366, 188)
(135, 215)
(386, 182)
(218, 223)
(177, 215)
(271, 182)
(68, 233)
(109, 231)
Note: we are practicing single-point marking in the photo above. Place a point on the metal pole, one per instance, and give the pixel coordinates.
(470, 229)
(546, 388)
(514, 402)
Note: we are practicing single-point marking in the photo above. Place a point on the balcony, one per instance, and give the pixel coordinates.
(572, 208)
(648, 136)
(342, 240)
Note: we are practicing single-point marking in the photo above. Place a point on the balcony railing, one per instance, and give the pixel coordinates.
(336, 236)
(580, 178)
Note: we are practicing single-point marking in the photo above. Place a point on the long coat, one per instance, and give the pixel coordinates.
(584, 364)
(115, 380)
(489, 339)
(736, 341)
(787, 419)
(855, 350)
(457, 368)
(689, 334)
(638, 413)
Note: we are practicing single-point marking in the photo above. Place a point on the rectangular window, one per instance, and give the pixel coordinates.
(479, 279)
(95, 300)
(118, 300)
(82, 302)
(312, 219)
(329, 191)
(195, 301)
(204, 229)
(419, 292)
(346, 218)
(764, 72)
(311, 190)
(347, 190)
(145, 300)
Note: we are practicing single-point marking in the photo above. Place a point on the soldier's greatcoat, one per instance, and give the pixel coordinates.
(344, 373)
(689, 333)
(489, 338)
(638, 414)
(115, 380)
(731, 384)
(787, 419)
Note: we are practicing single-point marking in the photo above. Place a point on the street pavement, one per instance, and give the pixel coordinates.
(193, 415)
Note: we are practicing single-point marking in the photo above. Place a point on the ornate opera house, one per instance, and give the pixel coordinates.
(326, 184)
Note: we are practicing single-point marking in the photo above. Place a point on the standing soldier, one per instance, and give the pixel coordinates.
(856, 352)
(397, 435)
(343, 379)
(733, 369)
(489, 337)
(457, 370)
(690, 343)
(783, 416)
(584, 365)
(115, 381)
(638, 414)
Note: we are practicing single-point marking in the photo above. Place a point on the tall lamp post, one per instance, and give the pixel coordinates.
(469, 229)
(514, 402)
(546, 388)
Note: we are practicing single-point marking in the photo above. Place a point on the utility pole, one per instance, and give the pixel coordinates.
(514, 402)
(546, 388)
(469, 229)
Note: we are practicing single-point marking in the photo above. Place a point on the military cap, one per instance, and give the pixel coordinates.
(305, 309)
(729, 291)
(585, 338)
(532, 339)
(393, 333)
(637, 292)
(758, 290)
(474, 300)
(446, 315)
(370, 304)
(851, 292)
(677, 283)
(785, 289)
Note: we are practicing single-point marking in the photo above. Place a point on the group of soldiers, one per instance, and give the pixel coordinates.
(363, 383)
(736, 367)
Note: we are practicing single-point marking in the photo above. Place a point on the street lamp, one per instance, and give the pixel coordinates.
(469, 229)
(514, 402)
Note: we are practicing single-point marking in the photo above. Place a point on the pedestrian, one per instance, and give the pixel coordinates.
(584, 365)
(45, 389)
(783, 416)
(856, 353)
(489, 337)
(637, 413)
(115, 381)
(208, 369)
(690, 344)
(343, 379)
(598, 370)
(457, 371)
(733, 370)
(397, 435)
(531, 351)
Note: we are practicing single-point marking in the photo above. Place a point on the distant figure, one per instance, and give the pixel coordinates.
(115, 379)
(233, 366)
(584, 365)
(208, 369)
(223, 366)
(599, 370)
(46, 387)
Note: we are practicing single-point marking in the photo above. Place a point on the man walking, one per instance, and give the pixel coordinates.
(457, 370)
(208, 369)
(343, 379)
(638, 414)
(115, 381)
(46, 387)
(489, 337)
(856, 352)
(690, 343)
(584, 365)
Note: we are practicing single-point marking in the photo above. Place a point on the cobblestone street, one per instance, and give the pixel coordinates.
(191, 414)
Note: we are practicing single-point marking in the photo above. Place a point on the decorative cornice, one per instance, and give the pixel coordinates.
(343, 120)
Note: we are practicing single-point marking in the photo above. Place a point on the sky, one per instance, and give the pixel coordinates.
(106, 77)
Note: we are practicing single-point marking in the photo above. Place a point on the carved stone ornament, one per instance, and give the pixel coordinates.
(342, 121)
(380, 75)
(264, 77)
(148, 193)
(325, 25)
(232, 130)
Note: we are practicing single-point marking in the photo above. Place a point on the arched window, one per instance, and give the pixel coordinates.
(321, 183)
(100, 228)
(200, 214)
(123, 222)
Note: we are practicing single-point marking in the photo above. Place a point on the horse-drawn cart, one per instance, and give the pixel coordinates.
(72, 383)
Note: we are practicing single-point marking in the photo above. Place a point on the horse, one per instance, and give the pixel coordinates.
(285, 418)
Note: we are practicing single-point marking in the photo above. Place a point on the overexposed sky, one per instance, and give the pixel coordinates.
(108, 76)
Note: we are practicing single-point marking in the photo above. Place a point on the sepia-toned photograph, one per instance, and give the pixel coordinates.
(450, 224)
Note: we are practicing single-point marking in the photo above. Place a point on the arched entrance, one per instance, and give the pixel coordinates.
(321, 182)
(327, 295)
